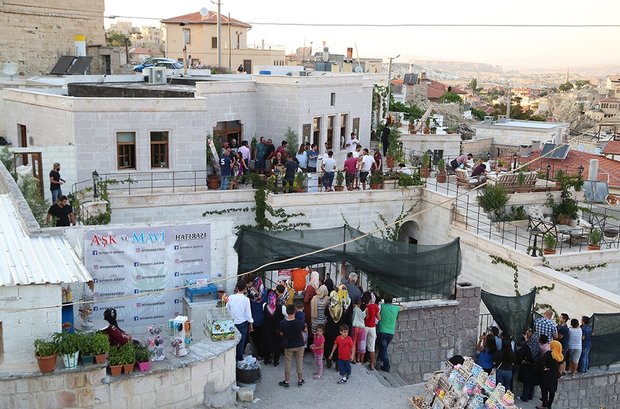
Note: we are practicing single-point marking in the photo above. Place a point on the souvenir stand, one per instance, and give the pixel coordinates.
(465, 386)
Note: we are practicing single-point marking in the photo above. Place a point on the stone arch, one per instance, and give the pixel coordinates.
(409, 232)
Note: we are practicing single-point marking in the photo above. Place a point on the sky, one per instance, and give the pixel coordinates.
(511, 47)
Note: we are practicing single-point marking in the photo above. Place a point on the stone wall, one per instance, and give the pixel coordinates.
(35, 33)
(599, 388)
(429, 332)
(171, 384)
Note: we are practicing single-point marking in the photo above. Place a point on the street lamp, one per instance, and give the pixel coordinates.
(580, 169)
(430, 155)
(96, 180)
(548, 170)
(514, 161)
(389, 95)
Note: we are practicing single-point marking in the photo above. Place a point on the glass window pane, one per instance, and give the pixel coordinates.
(126, 137)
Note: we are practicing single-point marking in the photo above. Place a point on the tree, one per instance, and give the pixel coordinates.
(450, 97)
(581, 83)
(473, 85)
(292, 146)
(117, 39)
(567, 86)
(478, 113)
(537, 118)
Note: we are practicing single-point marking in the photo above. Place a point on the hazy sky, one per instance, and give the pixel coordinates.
(511, 47)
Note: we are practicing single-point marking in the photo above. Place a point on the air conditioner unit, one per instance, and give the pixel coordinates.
(157, 75)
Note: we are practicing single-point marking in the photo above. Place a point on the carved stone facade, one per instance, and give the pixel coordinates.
(35, 33)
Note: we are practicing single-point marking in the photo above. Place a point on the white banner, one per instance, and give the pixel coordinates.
(145, 265)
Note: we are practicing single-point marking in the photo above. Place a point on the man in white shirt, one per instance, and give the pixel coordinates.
(366, 166)
(239, 307)
(352, 143)
(245, 152)
(328, 168)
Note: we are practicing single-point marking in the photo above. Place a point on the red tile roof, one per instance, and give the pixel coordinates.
(210, 18)
(608, 169)
(612, 148)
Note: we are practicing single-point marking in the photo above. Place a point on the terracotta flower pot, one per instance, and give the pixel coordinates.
(549, 251)
(376, 186)
(100, 359)
(389, 161)
(116, 370)
(213, 182)
(594, 247)
(338, 188)
(424, 172)
(128, 368)
(46, 364)
(441, 178)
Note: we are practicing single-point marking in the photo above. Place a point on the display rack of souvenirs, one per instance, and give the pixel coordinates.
(465, 386)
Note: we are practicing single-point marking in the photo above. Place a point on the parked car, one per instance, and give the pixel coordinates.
(151, 62)
(175, 65)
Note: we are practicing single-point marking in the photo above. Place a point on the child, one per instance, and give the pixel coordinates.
(346, 352)
(358, 332)
(301, 315)
(317, 350)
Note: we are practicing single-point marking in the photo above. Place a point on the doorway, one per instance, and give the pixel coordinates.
(22, 133)
(226, 131)
(247, 66)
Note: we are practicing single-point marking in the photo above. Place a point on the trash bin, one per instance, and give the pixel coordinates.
(313, 182)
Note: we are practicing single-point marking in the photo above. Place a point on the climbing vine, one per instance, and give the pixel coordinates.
(226, 211)
(391, 231)
(588, 267)
(262, 209)
(512, 265)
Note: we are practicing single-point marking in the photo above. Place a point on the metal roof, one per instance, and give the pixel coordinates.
(34, 260)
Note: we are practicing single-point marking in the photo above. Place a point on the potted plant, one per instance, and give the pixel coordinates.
(339, 181)
(427, 127)
(298, 182)
(594, 239)
(86, 350)
(68, 348)
(115, 361)
(567, 208)
(143, 358)
(376, 180)
(550, 242)
(128, 356)
(100, 344)
(441, 171)
(390, 179)
(405, 180)
(493, 200)
(426, 162)
(45, 351)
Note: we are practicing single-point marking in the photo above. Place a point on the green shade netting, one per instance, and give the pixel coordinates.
(512, 314)
(605, 339)
(402, 269)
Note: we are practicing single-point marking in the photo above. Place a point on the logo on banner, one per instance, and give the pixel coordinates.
(103, 240)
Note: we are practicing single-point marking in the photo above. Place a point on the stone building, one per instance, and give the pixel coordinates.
(197, 34)
(98, 126)
(36, 33)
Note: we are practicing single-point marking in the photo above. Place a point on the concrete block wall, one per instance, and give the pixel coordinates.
(430, 332)
(23, 320)
(599, 388)
(184, 387)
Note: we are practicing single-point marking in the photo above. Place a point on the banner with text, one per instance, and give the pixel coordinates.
(145, 265)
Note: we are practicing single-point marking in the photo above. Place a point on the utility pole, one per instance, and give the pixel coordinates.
(219, 34)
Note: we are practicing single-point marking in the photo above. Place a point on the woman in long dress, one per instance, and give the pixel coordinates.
(271, 341)
(317, 307)
(309, 294)
(337, 312)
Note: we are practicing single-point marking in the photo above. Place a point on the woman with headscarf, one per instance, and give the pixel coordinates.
(309, 294)
(317, 307)
(329, 283)
(526, 361)
(272, 315)
(256, 293)
(117, 336)
(549, 369)
(337, 312)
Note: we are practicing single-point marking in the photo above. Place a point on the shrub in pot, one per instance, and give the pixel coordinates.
(100, 344)
(594, 239)
(115, 361)
(339, 181)
(128, 354)
(441, 175)
(143, 357)
(46, 352)
(549, 243)
(426, 162)
(376, 180)
(68, 347)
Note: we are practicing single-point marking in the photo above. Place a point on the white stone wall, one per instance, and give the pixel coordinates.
(515, 136)
(601, 269)
(419, 143)
(23, 321)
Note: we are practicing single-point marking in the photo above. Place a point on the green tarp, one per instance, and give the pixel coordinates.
(405, 270)
(512, 314)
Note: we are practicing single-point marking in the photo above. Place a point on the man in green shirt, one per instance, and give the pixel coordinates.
(387, 326)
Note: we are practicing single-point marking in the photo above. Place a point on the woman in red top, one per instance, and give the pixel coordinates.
(117, 336)
(370, 322)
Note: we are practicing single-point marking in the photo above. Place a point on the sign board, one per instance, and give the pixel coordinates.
(140, 271)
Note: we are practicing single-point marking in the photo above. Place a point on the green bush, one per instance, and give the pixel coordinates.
(493, 200)
(44, 347)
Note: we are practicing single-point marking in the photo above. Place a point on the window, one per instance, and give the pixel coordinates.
(213, 42)
(187, 36)
(332, 99)
(316, 131)
(126, 150)
(343, 130)
(159, 149)
(330, 130)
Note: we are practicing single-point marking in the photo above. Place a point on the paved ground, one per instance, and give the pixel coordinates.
(367, 389)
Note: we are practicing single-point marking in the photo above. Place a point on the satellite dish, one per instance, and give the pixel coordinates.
(204, 11)
(358, 69)
(10, 68)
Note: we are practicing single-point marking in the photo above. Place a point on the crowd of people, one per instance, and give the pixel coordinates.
(269, 160)
(544, 355)
(339, 324)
